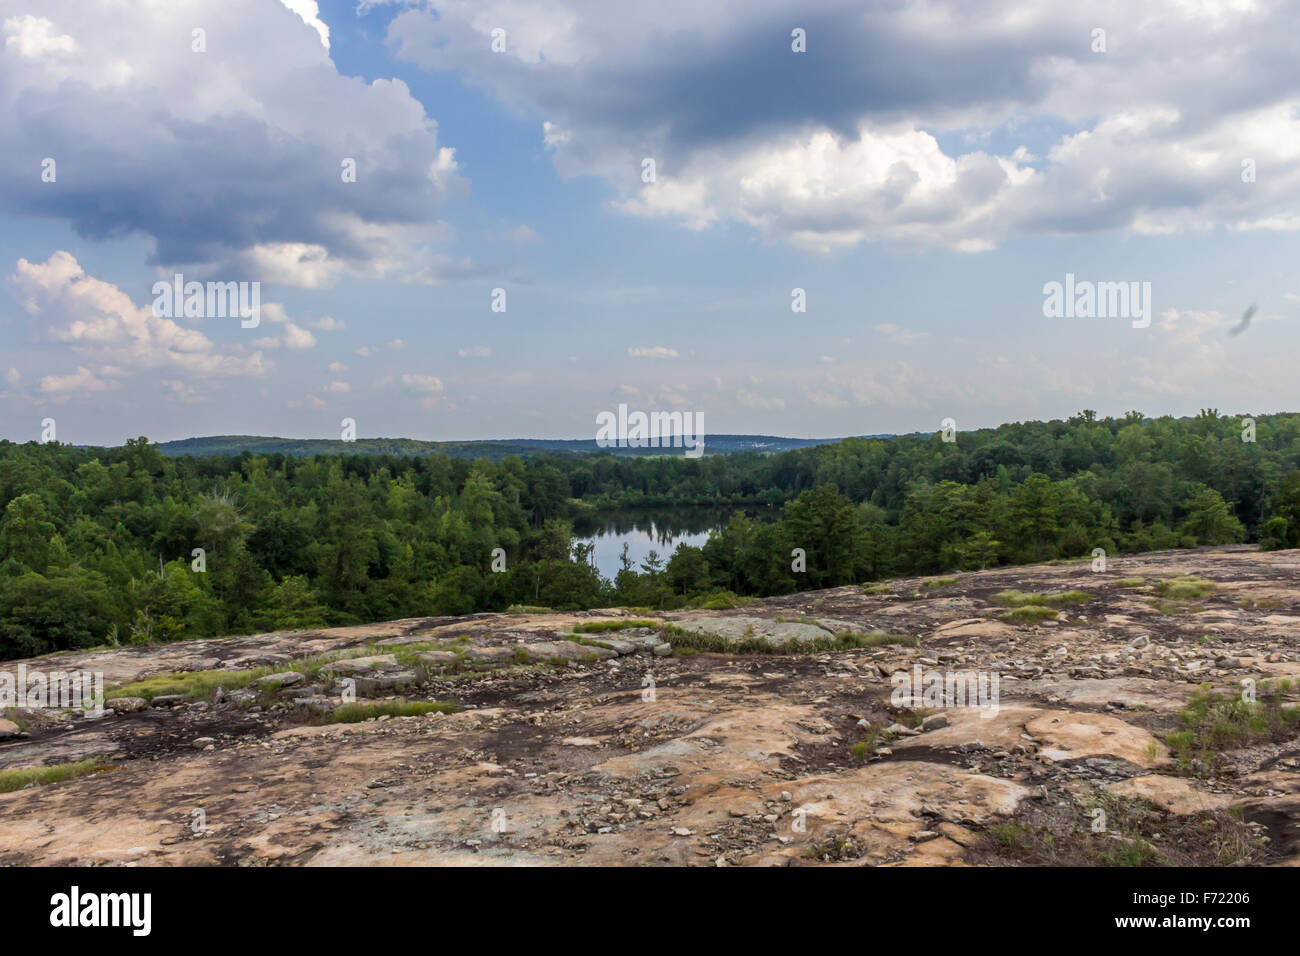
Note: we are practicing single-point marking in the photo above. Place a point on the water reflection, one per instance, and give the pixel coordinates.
(649, 530)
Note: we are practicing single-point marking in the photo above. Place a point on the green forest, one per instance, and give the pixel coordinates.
(99, 545)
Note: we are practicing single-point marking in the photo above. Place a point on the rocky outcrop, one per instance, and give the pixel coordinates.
(743, 737)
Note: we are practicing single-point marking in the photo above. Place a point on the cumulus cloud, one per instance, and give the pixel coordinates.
(99, 321)
(422, 383)
(32, 37)
(943, 123)
(189, 149)
(429, 386)
(81, 382)
(294, 337)
(309, 13)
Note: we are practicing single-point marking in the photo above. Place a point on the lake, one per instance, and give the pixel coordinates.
(645, 531)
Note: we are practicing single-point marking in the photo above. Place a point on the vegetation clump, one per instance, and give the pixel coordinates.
(1185, 588)
(1215, 723)
(1022, 599)
(11, 780)
(690, 640)
(1100, 828)
(600, 627)
(356, 712)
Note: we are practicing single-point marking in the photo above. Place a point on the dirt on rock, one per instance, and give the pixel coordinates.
(573, 740)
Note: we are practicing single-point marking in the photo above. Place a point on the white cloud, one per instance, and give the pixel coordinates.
(296, 337)
(938, 123)
(189, 149)
(33, 37)
(476, 351)
(310, 14)
(82, 382)
(652, 351)
(98, 320)
(899, 335)
(422, 383)
(177, 390)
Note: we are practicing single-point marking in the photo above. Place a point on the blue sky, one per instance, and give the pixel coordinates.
(921, 171)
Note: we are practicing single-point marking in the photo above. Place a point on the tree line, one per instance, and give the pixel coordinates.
(121, 545)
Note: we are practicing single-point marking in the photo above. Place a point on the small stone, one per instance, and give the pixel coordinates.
(201, 742)
(285, 679)
(126, 705)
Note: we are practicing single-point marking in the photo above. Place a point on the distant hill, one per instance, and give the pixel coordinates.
(494, 449)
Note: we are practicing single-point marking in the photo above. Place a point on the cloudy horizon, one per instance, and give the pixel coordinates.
(497, 220)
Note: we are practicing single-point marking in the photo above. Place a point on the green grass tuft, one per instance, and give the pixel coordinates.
(693, 641)
(1029, 599)
(1030, 614)
(597, 627)
(355, 713)
(1185, 588)
(1215, 723)
(11, 780)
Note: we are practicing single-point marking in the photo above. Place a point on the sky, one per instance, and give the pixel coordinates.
(640, 189)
